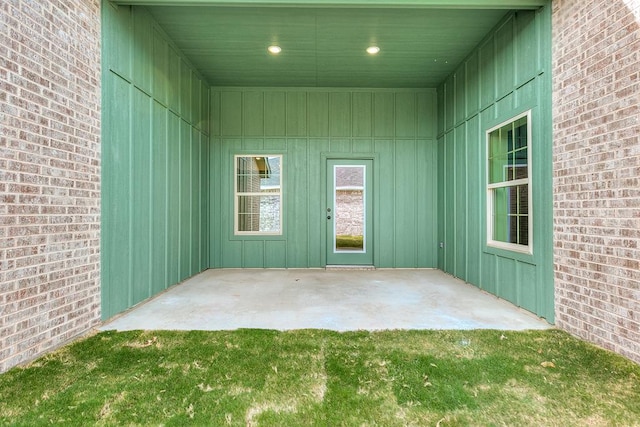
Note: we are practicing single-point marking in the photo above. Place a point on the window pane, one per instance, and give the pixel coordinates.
(247, 176)
(498, 151)
(522, 212)
(508, 162)
(258, 174)
(523, 199)
(511, 214)
(498, 169)
(244, 183)
(523, 230)
(258, 193)
(270, 214)
(269, 174)
(259, 213)
(350, 177)
(249, 213)
(508, 152)
(519, 164)
(501, 214)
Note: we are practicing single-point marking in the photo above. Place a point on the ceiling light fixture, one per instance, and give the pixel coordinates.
(372, 50)
(275, 49)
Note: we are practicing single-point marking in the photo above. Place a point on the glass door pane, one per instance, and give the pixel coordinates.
(349, 212)
(349, 208)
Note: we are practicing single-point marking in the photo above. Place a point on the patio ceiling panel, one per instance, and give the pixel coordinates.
(323, 41)
(439, 4)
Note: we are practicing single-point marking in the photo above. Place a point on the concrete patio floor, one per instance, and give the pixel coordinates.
(339, 300)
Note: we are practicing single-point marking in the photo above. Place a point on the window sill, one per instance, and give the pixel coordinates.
(255, 236)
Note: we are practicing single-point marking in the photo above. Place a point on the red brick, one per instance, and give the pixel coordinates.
(49, 133)
(596, 175)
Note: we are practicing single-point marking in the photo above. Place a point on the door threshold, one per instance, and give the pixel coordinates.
(350, 267)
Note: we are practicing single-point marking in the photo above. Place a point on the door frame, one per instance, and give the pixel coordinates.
(325, 158)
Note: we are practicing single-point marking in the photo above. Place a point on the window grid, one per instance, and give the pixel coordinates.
(258, 194)
(509, 224)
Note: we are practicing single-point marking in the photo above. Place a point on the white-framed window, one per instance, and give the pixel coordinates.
(257, 194)
(509, 207)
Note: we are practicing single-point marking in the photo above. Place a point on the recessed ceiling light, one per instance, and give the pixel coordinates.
(275, 49)
(372, 50)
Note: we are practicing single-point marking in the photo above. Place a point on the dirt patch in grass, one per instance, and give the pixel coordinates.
(319, 378)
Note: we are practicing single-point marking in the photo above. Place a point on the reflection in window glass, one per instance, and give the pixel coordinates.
(349, 208)
(508, 192)
(258, 195)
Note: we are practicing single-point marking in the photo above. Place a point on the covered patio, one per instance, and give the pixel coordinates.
(335, 299)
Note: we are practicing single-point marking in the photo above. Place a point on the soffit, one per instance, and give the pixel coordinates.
(325, 46)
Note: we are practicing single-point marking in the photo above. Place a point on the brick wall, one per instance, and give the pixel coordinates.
(596, 64)
(49, 174)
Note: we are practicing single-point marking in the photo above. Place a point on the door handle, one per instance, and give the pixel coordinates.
(328, 216)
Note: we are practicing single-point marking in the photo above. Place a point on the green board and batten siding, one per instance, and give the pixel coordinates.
(509, 73)
(154, 162)
(167, 203)
(395, 128)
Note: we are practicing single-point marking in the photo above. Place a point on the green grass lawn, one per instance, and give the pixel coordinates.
(322, 378)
